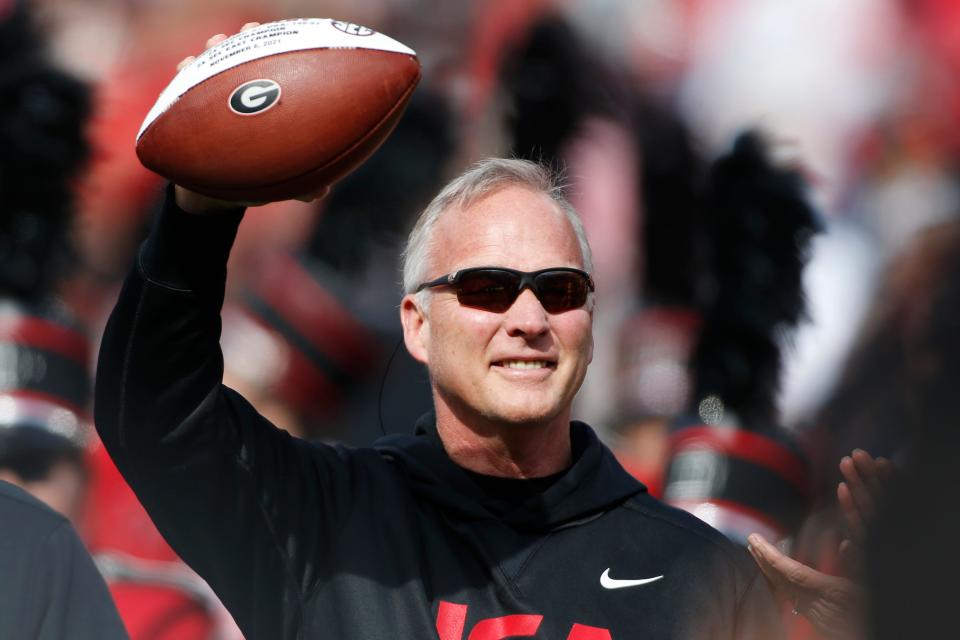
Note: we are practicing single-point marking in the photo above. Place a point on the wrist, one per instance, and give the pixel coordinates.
(189, 251)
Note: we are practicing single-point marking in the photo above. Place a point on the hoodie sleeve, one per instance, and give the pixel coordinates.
(246, 505)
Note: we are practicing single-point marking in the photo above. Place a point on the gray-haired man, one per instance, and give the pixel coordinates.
(499, 518)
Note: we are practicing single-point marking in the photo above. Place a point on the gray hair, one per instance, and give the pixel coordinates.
(482, 179)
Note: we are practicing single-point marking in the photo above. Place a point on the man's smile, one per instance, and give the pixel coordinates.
(524, 364)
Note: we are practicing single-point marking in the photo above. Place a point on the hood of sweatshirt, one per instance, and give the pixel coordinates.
(593, 484)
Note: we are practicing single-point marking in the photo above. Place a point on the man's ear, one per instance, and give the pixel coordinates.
(590, 351)
(416, 328)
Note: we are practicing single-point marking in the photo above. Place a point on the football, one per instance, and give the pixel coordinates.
(279, 111)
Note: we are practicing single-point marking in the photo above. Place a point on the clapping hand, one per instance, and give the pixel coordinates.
(832, 604)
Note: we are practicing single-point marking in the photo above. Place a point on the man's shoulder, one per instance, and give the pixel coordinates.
(369, 461)
(685, 529)
(32, 532)
(30, 514)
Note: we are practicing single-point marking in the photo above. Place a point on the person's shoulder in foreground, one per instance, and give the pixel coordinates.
(50, 588)
(713, 589)
(723, 595)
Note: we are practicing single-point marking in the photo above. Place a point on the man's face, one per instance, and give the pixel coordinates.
(520, 366)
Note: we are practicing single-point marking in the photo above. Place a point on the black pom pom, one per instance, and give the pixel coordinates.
(760, 224)
(42, 137)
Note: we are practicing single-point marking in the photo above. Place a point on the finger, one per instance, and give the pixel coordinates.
(215, 40)
(778, 585)
(858, 487)
(850, 512)
(867, 470)
(885, 470)
(792, 576)
(186, 61)
(249, 25)
(852, 557)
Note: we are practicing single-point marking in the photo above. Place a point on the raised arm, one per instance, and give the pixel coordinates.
(224, 486)
(253, 510)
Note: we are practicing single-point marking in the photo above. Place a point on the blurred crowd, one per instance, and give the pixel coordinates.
(770, 189)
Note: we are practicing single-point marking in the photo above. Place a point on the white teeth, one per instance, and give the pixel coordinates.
(524, 364)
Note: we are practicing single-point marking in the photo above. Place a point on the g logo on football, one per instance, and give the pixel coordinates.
(352, 29)
(253, 97)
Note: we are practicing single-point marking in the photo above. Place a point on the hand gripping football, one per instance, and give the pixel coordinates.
(279, 111)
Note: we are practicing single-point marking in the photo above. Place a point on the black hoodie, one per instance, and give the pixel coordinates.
(302, 540)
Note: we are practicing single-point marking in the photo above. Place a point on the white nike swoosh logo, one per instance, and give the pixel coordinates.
(612, 583)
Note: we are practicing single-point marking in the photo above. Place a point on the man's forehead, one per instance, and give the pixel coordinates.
(506, 207)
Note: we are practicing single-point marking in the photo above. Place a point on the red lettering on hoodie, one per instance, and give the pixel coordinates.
(516, 626)
(452, 618)
(583, 632)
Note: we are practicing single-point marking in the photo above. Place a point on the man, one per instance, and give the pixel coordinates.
(499, 518)
(50, 588)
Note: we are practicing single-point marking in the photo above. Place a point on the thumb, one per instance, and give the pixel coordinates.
(784, 572)
(320, 194)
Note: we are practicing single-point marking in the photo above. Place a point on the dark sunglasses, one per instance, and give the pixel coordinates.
(496, 288)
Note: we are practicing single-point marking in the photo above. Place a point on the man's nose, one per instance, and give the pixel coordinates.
(526, 316)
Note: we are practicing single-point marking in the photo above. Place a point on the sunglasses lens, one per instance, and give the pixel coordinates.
(560, 291)
(488, 289)
(495, 290)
